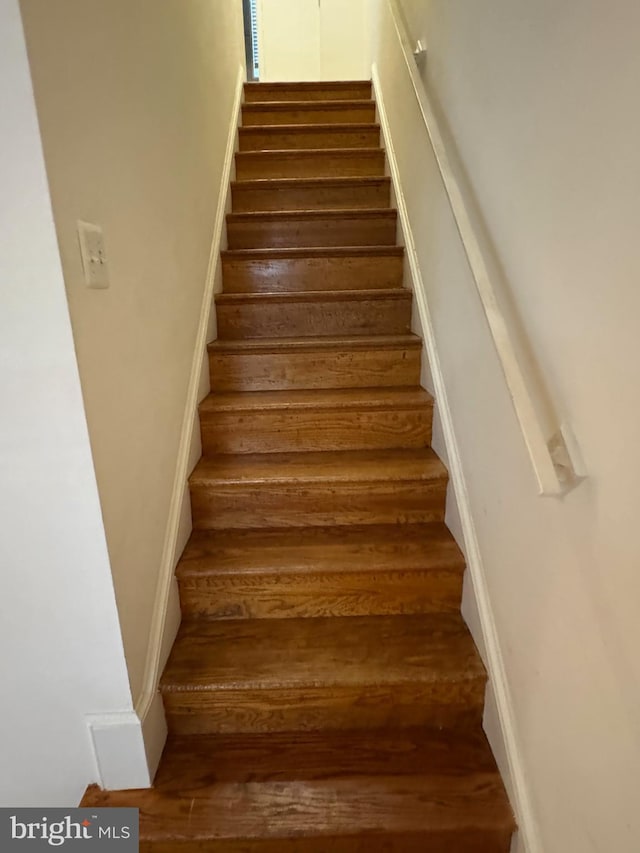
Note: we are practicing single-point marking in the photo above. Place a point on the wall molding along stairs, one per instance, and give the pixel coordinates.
(499, 716)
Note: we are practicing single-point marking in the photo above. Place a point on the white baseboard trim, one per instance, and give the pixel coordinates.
(119, 750)
(503, 733)
(166, 617)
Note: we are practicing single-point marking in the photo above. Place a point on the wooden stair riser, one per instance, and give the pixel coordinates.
(341, 368)
(255, 93)
(316, 430)
(222, 506)
(314, 314)
(442, 704)
(274, 230)
(334, 163)
(312, 272)
(296, 137)
(284, 596)
(320, 112)
(345, 194)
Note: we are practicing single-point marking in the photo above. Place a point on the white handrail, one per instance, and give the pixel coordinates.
(552, 452)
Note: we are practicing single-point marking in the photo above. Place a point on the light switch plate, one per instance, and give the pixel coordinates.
(94, 255)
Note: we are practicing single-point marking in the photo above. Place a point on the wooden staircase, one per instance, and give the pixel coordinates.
(323, 694)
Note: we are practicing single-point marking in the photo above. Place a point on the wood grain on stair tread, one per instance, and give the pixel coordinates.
(327, 550)
(297, 136)
(278, 194)
(194, 762)
(299, 363)
(311, 572)
(348, 807)
(325, 269)
(318, 163)
(274, 229)
(356, 312)
(363, 671)
(307, 90)
(321, 653)
(421, 812)
(355, 466)
(340, 419)
(308, 112)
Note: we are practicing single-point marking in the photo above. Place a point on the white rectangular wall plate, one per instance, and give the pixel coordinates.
(94, 255)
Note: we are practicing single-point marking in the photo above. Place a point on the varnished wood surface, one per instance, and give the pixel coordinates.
(323, 694)
(318, 228)
(311, 194)
(321, 653)
(311, 163)
(319, 489)
(192, 762)
(347, 571)
(299, 363)
(359, 312)
(300, 136)
(367, 672)
(338, 419)
(362, 466)
(332, 550)
(308, 91)
(296, 270)
(308, 112)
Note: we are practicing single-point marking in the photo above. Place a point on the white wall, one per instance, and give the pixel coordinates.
(62, 656)
(134, 99)
(539, 98)
(311, 40)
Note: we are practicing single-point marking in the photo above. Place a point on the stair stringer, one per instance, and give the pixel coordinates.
(477, 611)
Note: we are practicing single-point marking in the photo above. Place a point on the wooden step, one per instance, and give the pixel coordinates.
(398, 791)
(312, 163)
(311, 194)
(298, 270)
(317, 572)
(276, 137)
(309, 112)
(311, 228)
(244, 491)
(299, 363)
(339, 90)
(341, 312)
(289, 421)
(270, 675)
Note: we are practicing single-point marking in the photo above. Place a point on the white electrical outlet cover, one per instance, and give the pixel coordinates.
(94, 255)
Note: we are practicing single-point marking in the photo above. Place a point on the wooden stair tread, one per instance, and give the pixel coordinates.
(310, 344)
(306, 85)
(194, 762)
(253, 129)
(329, 550)
(285, 106)
(280, 785)
(399, 294)
(287, 183)
(313, 252)
(352, 466)
(306, 153)
(341, 808)
(297, 215)
(321, 653)
(340, 398)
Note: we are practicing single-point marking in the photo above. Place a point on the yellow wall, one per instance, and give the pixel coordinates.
(134, 100)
